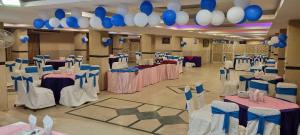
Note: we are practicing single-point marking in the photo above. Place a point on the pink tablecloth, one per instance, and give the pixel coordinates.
(270, 102)
(126, 82)
(60, 75)
(18, 128)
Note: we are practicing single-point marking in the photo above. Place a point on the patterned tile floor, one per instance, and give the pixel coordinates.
(149, 118)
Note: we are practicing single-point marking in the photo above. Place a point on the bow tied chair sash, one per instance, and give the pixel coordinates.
(81, 79)
(262, 119)
(10, 66)
(25, 61)
(227, 116)
(18, 60)
(94, 76)
(16, 79)
(31, 70)
(93, 68)
(28, 80)
(259, 86)
(85, 67)
(275, 71)
(199, 89)
(242, 79)
(48, 68)
(188, 97)
(287, 91)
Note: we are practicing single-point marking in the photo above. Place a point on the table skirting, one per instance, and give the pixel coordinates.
(193, 59)
(130, 82)
(290, 112)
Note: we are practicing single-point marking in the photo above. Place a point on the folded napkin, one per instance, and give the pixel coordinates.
(32, 121)
(48, 124)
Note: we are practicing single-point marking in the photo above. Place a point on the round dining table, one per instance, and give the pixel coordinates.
(56, 63)
(56, 82)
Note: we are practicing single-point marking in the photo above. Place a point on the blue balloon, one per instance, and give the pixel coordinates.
(24, 40)
(281, 44)
(208, 4)
(275, 45)
(282, 37)
(146, 7)
(253, 12)
(118, 20)
(169, 17)
(38, 23)
(100, 12)
(72, 22)
(48, 26)
(60, 13)
(108, 42)
(106, 23)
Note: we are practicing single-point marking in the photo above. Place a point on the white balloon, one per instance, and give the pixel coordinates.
(96, 22)
(129, 19)
(122, 10)
(83, 22)
(218, 18)
(270, 42)
(275, 40)
(54, 22)
(182, 18)
(154, 19)
(76, 12)
(174, 5)
(63, 22)
(44, 15)
(141, 19)
(235, 14)
(203, 17)
(241, 3)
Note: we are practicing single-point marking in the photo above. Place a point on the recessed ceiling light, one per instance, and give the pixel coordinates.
(11, 2)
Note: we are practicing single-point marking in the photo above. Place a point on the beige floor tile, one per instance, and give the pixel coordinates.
(118, 104)
(95, 112)
(184, 116)
(148, 108)
(147, 125)
(178, 129)
(168, 111)
(124, 120)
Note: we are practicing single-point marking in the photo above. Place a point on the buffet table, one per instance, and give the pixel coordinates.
(192, 59)
(134, 79)
(290, 112)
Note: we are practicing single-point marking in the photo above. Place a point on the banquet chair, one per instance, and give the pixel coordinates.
(69, 63)
(244, 83)
(199, 120)
(10, 68)
(75, 95)
(263, 121)
(33, 71)
(138, 57)
(230, 87)
(228, 64)
(271, 70)
(286, 91)
(47, 69)
(271, 63)
(38, 62)
(19, 87)
(24, 64)
(200, 95)
(263, 86)
(18, 64)
(225, 119)
(37, 97)
(93, 85)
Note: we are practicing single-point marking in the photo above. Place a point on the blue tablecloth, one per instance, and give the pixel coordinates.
(56, 64)
(192, 59)
(56, 85)
(290, 119)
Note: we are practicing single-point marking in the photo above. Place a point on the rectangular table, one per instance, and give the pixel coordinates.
(18, 128)
(290, 112)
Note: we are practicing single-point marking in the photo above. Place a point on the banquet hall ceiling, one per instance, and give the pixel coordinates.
(31, 8)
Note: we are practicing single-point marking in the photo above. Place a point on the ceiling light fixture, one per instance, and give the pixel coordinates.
(16, 3)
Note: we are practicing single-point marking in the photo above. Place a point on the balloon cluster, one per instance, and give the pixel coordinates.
(174, 15)
(106, 41)
(84, 39)
(278, 41)
(24, 39)
(183, 43)
(208, 15)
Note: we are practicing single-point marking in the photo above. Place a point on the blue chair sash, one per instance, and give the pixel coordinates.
(39, 62)
(287, 91)
(199, 89)
(93, 68)
(271, 71)
(28, 80)
(31, 70)
(18, 60)
(188, 95)
(81, 79)
(94, 78)
(262, 119)
(260, 86)
(48, 68)
(85, 67)
(10, 66)
(16, 79)
(227, 116)
(25, 61)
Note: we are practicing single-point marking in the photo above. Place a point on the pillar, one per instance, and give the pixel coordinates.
(292, 68)
(98, 55)
(281, 57)
(147, 47)
(176, 48)
(3, 88)
(80, 47)
(20, 50)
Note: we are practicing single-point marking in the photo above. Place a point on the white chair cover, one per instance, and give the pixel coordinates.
(263, 121)
(229, 87)
(19, 88)
(10, 68)
(37, 97)
(93, 85)
(188, 98)
(138, 57)
(33, 71)
(263, 86)
(225, 118)
(287, 91)
(75, 95)
(200, 95)
(200, 121)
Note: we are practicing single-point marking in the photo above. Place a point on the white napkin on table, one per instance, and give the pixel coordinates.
(32, 120)
(48, 123)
